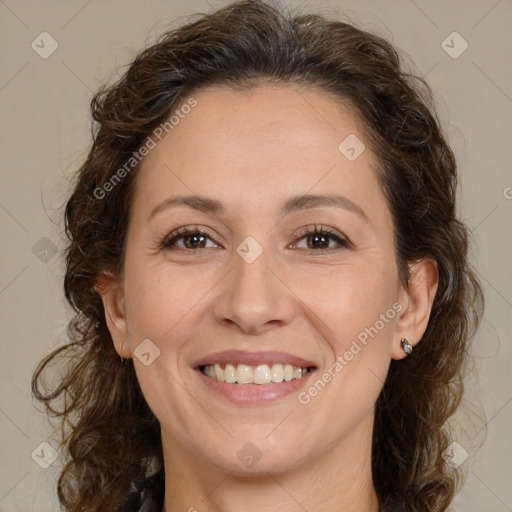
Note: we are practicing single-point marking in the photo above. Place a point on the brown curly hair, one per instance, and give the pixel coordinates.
(109, 433)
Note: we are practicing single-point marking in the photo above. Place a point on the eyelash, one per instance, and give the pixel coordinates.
(180, 233)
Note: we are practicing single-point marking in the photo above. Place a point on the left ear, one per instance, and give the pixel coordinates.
(417, 299)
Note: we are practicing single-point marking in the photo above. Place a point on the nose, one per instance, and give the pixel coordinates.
(254, 297)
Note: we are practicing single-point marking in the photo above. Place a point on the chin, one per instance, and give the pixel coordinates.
(252, 455)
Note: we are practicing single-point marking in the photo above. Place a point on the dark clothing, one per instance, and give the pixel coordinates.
(146, 495)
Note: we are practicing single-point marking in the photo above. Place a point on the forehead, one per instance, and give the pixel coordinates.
(250, 147)
(266, 121)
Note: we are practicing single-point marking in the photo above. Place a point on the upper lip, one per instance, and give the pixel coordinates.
(252, 358)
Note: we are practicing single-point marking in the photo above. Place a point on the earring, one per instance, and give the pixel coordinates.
(122, 360)
(406, 346)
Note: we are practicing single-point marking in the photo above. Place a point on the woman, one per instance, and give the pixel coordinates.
(272, 292)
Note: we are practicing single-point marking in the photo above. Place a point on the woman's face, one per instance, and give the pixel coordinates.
(257, 287)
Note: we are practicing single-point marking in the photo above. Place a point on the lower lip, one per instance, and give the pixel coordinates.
(254, 394)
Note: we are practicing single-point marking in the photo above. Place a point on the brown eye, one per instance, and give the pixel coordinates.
(192, 239)
(318, 239)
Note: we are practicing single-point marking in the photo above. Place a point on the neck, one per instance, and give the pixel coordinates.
(339, 479)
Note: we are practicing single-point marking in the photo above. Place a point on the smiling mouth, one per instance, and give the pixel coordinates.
(258, 374)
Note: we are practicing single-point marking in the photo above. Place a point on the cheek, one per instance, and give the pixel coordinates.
(159, 297)
(349, 300)
(355, 309)
(354, 312)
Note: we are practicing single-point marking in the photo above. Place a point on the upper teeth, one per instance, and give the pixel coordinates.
(261, 374)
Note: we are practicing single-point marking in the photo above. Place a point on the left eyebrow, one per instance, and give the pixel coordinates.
(304, 202)
(295, 203)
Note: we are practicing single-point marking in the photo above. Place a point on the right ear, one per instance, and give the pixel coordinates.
(112, 296)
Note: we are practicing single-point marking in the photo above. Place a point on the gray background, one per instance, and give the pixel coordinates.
(45, 134)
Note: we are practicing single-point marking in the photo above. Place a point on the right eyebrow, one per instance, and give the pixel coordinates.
(201, 203)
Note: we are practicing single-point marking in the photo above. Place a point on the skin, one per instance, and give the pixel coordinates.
(252, 150)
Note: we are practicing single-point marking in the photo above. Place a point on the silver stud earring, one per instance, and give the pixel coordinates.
(406, 346)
